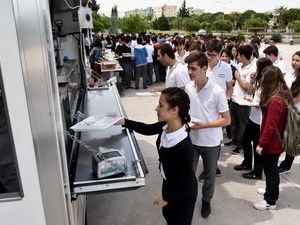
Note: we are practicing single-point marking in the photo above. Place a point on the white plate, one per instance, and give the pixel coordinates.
(242, 101)
(146, 94)
(95, 123)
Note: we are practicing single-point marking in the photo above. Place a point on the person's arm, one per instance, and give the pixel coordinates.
(142, 128)
(244, 85)
(229, 90)
(276, 109)
(223, 121)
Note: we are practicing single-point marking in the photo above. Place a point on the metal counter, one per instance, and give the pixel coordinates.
(101, 102)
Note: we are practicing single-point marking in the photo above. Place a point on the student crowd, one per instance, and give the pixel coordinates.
(210, 84)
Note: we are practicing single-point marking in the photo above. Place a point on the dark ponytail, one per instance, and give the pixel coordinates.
(177, 97)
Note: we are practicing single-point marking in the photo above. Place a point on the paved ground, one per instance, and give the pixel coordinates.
(234, 196)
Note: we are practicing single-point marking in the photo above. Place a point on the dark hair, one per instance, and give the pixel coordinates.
(198, 57)
(245, 50)
(260, 65)
(272, 84)
(295, 88)
(227, 52)
(178, 97)
(297, 71)
(139, 40)
(214, 45)
(98, 43)
(167, 49)
(195, 46)
(179, 41)
(271, 50)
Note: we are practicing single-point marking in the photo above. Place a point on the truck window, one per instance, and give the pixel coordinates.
(9, 177)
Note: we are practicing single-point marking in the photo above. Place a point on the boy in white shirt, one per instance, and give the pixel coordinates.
(209, 113)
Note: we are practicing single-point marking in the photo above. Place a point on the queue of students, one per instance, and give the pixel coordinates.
(190, 122)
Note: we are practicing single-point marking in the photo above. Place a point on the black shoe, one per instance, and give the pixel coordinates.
(145, 87)
(136, 88)
(201, 177)
(130, 87)
(206, 209)
(251, 176)
(218, 172)
(241, 167)
(236, 151)
(230, 143)
(149, 83)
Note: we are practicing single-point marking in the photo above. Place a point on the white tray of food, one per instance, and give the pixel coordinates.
(247, 101)
(95, 123)
(147, 94)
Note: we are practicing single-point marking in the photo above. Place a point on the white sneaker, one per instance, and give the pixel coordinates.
(263, 206)
(261, 191)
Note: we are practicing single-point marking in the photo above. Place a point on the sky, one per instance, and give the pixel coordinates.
(208, 5)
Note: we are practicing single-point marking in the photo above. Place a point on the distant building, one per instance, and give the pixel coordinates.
(167, 10)
(141, 12)
(193, 11)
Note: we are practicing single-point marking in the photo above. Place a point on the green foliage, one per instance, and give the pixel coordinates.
(161, 23)
(240, 36)
(177, 23)
(183, 12)
(222, 25)
(133, 24)
(190, 24)
(94, 6)
(101, 23)
(276, 37)
(206, 26)
(256, 22)
(295, 25)
(288, 16)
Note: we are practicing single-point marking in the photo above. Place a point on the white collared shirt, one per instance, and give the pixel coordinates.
(168, 140)
(280, 64)
(289, 78)
(206, 106)
(238, 92)
(221, 74)
(181, 59)
(177, 76)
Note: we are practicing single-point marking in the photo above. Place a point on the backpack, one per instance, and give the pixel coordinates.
(291, 135)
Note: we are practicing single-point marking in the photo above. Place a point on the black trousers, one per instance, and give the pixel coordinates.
(180, 212)
(239, 119)
(270, 162)
(287, 162)
(251, 135)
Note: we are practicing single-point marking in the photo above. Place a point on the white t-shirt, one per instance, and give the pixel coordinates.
(150, 51)
(221, 74)
(206, 106)
(289, 78)
(255, 112)
(181, 59)
(280, 64)
(177, 76)
(298, 106)
(245, 72)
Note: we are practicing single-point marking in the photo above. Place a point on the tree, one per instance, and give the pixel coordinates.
(183, 12)
(177, 23)
(206, 26)
(101, 23)
(133, 24)
(161, 23)
(295, 25)
(94, 6)
(256, 24)
(222, 25)
(190, 24)
(289, 16)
